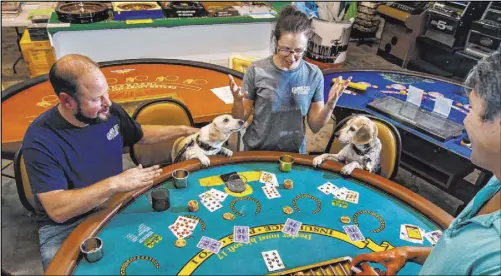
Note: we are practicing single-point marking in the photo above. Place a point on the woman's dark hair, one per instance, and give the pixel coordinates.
(291, 20)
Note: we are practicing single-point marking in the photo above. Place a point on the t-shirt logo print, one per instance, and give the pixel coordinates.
(301, 90)
(113, 132)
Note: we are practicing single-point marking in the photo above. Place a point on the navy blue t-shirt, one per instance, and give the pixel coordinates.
(61, 156)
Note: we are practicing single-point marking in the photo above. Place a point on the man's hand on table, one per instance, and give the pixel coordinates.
(135, 178)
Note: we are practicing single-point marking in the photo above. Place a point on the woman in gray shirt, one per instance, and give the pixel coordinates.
(280, 90)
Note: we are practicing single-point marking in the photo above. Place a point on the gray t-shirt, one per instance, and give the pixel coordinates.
(281, 102)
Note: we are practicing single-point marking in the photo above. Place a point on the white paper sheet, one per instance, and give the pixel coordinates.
(414, 95)
(443, 106)
(224, 93)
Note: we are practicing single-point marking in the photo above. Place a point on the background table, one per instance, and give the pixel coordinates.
(204, 39)
(320, 238)
(132, 82)
(442, 163)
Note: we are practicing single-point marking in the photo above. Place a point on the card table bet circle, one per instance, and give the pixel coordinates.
(137, 239)
(131, 83)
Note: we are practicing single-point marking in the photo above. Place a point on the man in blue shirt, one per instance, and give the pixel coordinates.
(73, 152)
(472, 243)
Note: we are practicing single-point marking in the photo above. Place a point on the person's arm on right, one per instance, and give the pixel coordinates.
(62, 205)
(396, 258)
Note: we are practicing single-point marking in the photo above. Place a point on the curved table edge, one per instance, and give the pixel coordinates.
(66, 258)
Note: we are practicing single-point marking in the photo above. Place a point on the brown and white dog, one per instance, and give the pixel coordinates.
(363, 150)
(209, 141)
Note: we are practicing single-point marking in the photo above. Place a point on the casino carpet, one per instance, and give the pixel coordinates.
(20, 248)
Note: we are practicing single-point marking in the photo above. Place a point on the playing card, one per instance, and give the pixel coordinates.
(206, 195)
(185, 222)
(268, 179)
(209, 244)
(220, 196)
(327, 188)
(183, 227)
(211, 204)
(340, 193)
(292, 227)
(433, 236)
(241, 234)
(353, 233)
(270, 192)
(411, 233)
(272, 260)
(351, 196)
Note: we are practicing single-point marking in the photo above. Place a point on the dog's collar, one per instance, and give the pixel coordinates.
(183, 150)
(367, 148)
(203, 145)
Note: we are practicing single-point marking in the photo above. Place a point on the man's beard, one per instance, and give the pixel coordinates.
(86, 120)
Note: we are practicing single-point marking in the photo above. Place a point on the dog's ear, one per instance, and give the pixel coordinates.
(363, 135)
(215, 134)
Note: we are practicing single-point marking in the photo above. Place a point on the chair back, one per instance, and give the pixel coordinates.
(159, 112)
(23, 182)
(390, 139)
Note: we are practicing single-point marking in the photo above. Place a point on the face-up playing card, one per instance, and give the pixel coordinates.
(220, 196)
(327, 188)
(340, 193)
(270, 179)
(209, 244)
(292, 227)
(211, 204)
(241, 234)
(411, 233)
(270, 192)
(183, 227)
(272, 260)
(353, 233)
(433, 236)
(206, 195)
(351, 196)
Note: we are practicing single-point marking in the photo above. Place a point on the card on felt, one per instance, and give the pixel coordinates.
(433, 236)
(353, 233)
(211, 204)
(220, 196)
(206, 195)
(179, 231)
(292, 227)
(327, 188)
(188, 223)
(270, 192)
(351, 196)
(340, 193)
(209, 244)
(268, 178)
(411, 233)
(241, 234)
(272, 260)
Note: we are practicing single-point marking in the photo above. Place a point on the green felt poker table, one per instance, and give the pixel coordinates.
(137, 240)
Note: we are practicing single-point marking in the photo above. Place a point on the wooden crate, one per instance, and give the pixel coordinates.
(38, 55)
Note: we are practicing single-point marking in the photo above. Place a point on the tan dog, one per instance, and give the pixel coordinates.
(363, 150)
(209, 141)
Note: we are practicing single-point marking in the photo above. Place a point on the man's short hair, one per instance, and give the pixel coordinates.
(65, 73)
(485, 79)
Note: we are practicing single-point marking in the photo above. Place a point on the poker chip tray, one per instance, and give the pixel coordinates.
(339, 266)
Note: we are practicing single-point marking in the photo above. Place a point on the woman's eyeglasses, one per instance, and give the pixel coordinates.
(285, 52)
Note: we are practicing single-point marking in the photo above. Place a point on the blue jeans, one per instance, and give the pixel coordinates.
(51, 237)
